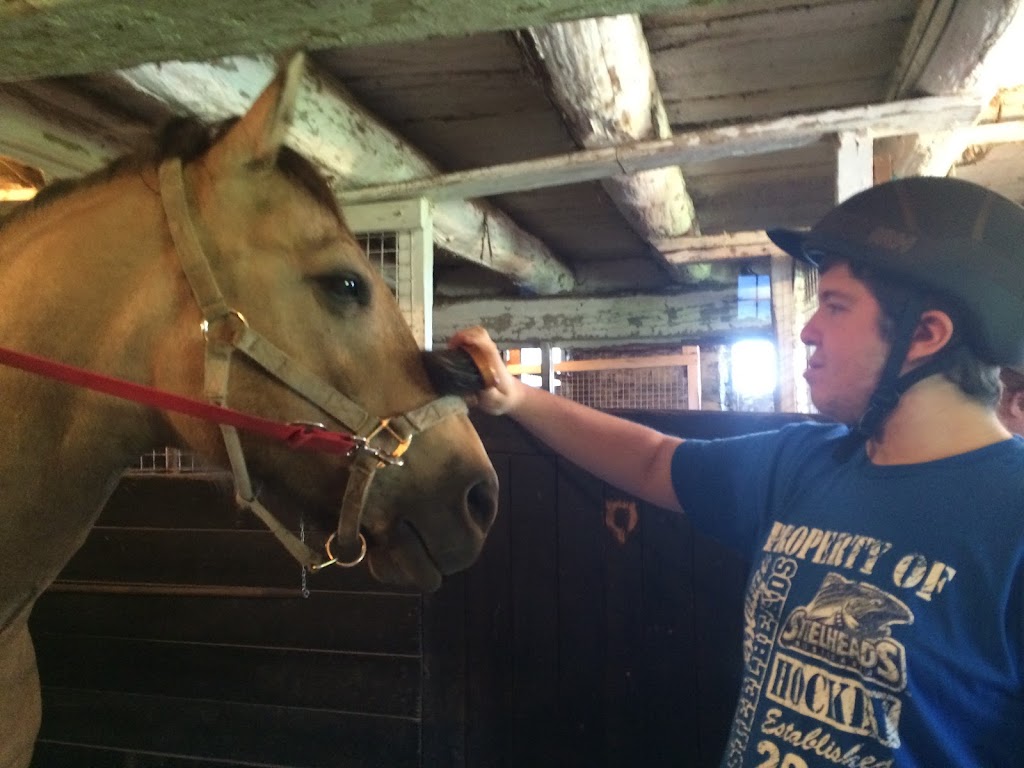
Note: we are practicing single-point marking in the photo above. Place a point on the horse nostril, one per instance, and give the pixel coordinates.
(482, 503)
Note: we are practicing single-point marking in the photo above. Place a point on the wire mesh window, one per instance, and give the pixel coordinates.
(661, 387)
(383, 250)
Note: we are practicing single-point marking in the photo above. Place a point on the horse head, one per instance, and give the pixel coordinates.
(287, 266)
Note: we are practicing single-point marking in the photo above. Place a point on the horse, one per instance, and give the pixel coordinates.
(219, 250)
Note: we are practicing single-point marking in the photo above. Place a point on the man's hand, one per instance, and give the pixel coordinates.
(506, 391)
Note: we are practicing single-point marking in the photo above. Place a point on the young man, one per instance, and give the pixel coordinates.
(885, 610)
(1011, 402)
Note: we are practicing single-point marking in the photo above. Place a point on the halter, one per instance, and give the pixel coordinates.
(378, 443)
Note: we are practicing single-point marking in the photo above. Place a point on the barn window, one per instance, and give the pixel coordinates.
(753, 296)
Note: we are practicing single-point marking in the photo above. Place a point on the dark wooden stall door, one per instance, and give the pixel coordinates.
(178, 637)
(600, 631)
(594, 631)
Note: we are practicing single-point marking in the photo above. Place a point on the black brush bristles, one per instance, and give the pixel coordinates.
(453, 372)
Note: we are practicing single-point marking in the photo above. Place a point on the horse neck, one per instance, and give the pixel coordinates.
(78, 282)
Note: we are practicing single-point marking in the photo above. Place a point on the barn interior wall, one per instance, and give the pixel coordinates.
(593, 631)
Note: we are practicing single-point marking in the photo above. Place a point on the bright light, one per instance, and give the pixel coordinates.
(531, 359)
(16, 194)
(753, 367)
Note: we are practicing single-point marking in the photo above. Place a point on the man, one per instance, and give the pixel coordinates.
(1011, 402)
(885, 610)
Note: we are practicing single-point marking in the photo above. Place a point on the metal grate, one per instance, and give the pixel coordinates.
(382, 248)
(655, 388)
(170, 461)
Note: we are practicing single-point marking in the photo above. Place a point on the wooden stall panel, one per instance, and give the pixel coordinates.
(600, 632)
(178, 636)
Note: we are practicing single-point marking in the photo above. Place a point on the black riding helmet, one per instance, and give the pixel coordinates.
(950, 237)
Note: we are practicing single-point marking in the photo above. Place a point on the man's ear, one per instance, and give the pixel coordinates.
(1016, 404)
(933, 332)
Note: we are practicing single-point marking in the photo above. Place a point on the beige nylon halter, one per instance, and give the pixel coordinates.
(380, 442)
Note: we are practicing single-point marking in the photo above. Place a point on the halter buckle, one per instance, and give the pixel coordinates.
(393, 459)
(383, 459)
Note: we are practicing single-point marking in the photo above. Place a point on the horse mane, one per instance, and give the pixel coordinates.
(185, 138)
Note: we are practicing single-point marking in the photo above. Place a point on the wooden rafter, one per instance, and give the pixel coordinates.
(62, 37)
(893, 119)
(600, 77)
(952, 48)
(688, 317)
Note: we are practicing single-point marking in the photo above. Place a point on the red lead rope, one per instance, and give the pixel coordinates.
(298, 436)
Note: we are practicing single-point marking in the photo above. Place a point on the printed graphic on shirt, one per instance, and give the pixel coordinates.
(766, 597)
(848, 624)
(824, 676)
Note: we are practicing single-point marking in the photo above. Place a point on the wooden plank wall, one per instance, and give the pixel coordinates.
(564, 645)
(248, 674)
(584, 649)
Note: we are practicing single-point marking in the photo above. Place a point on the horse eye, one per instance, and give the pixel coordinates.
(344, 288)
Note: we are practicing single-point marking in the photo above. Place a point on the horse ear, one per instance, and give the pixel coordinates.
(256, 138)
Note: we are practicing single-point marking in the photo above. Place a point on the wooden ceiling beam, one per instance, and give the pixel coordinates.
(599, 76)
(578, 321)
(952, 48)
(700, 249)
(354, 149)
(700, 146)
(64, 37)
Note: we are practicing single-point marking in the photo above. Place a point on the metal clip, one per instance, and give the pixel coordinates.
(391, 459)
(309, 426)
(383, 459)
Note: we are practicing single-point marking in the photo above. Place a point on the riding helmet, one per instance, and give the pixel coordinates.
(947, 235)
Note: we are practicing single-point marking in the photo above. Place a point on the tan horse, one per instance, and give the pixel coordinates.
(91, 276)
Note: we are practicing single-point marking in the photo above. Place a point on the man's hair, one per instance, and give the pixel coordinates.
(1013, 380)
(978, 380)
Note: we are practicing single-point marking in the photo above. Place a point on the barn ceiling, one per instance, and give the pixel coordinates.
(609, 148)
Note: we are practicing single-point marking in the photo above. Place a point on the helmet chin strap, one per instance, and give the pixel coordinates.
(891, 385)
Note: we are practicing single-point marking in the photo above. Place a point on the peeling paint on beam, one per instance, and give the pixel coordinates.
(64, 37)
(353, 147)
(687, 317)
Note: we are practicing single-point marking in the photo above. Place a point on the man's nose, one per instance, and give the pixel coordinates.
(809, 333)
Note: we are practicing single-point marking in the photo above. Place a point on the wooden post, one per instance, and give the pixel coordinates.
(855, 168)
(788, 347)
(547, 369)
(694, 394)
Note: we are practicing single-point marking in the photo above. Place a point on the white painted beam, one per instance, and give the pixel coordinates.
(354, 149)
(855, 163)
(761, 137)
(584, 321)
(699, 249)
(600, 78)
(60, 144)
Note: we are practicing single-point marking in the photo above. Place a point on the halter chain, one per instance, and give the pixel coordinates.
(379, 442)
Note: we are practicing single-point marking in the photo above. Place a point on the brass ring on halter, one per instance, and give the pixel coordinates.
(344, 564)
(205, 324)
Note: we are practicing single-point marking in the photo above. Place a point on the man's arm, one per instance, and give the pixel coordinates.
(630, 456)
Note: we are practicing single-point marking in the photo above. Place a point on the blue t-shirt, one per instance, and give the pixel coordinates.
(884, 615)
